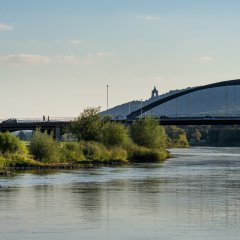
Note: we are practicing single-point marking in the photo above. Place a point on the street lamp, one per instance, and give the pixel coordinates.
(141, 107)
(107, 97)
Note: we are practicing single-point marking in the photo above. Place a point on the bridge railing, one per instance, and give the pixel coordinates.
(37, 120)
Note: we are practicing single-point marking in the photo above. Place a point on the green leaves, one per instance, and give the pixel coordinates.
(177, 137)
(44, 148)
(88, 125)
(148, 133)
(114, 134)
(11, 144)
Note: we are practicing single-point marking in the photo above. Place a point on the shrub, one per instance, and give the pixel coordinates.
(2, 162)
(114, 134)
(20, 160)
(71, 152)
(142, 154)
(11, 144)
(148, 133)
(88, 125)
(44, 148)
(94, 151)
(176, 137)
(118, 154)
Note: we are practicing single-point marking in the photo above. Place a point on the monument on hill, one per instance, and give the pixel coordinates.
(154, 93)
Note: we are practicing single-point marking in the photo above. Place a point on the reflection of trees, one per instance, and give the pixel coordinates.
(8, 197)
(98, 198)
(88, 200)
(200, 199)
(179, 197)
(88, 195)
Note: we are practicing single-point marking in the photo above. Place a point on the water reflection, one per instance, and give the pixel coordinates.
(192, 196)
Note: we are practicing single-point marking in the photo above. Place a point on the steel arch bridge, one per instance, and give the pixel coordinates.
(225, 84)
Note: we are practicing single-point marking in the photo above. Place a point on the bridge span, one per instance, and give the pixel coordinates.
(201, 121)
(57, 126)
(222, 96)
(216, 99)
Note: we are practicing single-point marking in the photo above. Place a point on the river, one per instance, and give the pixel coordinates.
(195, 195)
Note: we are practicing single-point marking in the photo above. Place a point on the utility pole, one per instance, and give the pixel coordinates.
(107, 96)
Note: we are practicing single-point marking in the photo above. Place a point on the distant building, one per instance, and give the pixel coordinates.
(154, 93)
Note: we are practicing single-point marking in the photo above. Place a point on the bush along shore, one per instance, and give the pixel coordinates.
(98, 141)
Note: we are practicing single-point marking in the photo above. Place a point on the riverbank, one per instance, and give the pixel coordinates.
(83, 164)
(92, 141)
(28, 164)
(43, 152)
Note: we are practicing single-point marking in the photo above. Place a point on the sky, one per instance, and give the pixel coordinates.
(58, 56)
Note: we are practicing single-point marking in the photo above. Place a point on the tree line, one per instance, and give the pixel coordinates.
(98, 139)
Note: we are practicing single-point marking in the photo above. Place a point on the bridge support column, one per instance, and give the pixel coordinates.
(58, 133)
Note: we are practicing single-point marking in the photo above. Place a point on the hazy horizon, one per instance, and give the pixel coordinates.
(57, 56)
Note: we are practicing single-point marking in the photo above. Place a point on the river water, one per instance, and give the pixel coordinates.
(195, 195)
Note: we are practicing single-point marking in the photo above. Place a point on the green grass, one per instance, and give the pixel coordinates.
(142, 154)
(47, 153)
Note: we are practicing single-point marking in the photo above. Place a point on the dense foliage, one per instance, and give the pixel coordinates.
(96, 139)
(176, 137)
(144, 140)
(114, 134)
(14, 152)
(10, 144)
(213, 135)
(224, 136)
(148, 133)
(88, 126)
(43, 147)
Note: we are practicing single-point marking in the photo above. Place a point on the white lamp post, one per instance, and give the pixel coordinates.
(107, 96)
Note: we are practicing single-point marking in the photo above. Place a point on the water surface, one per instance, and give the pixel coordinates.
(195, 195)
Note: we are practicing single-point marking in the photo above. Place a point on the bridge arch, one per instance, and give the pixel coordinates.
(169, 98)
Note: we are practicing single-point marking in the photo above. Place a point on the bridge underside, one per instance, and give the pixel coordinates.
(200, 121)
(56, 127)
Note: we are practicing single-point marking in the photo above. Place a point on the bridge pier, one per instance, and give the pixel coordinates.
(58, 133)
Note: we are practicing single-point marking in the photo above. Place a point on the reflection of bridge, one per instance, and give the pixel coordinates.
(216, 103)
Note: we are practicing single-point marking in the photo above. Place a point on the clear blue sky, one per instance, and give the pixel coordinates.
(57, 56)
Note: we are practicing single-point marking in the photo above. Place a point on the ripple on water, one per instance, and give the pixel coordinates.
(194, 195)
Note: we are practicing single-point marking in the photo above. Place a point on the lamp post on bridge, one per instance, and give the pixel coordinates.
(107, 96)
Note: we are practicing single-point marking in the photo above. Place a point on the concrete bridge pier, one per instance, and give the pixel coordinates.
(58, 133)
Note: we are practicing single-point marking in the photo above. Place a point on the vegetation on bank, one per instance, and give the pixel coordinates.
(176, 137)
(14, 153)
(220, 136)
(99, 141)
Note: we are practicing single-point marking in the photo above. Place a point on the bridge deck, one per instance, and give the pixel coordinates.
(18, 126)
(201, 121)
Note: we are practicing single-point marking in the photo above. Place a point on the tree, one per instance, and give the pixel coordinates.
(11, 144)
(197, 135)
(148, 133)
(44, 148)
(114, 134)
(88, 125)
(22, 135)
(177, 137)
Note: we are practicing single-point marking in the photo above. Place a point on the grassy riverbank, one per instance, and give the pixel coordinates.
(98, 141)
(44, 152)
